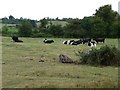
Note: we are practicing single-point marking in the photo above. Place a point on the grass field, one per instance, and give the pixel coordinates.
(62, 23)
(21, 66)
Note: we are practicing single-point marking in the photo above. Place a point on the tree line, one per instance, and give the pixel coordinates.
(104, 23)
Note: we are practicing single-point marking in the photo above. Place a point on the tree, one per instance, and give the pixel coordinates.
(115, 28)
(5, 20)
(107, 15)
(73, 29)
(56, 30)
(86, 24)
(43, 25)
(25, 29)
(98, 29)
(11, 17)
(12, 20)
(33, 23)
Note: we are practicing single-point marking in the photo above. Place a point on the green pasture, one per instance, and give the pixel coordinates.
(62, 23)
(21, 66)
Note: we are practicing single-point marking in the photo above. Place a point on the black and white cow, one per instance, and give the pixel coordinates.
(68, 42)
(91, 44)
(48, 41)
(15, 39)
(72, 42)
(99, 40)
(77, 42)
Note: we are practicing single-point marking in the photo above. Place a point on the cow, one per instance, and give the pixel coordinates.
(77, 42)
(15, 39)
(48, 41)
(64, 42)
(99, 39)
(86, 40)
(68, 42)
(91, 44)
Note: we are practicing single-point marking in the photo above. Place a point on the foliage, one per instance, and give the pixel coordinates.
(108, 16)
(43, 23)
(4, 29)
(56, 30)
(104, 23)
(25, 29)
(87, 25)
(73, 29)
(33, 23)
(8, 31)
(43, 26)
(98, 28)
(104, 56)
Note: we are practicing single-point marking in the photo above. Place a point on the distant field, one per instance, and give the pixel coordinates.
(62, 23)
(9, 25)
(21, 66)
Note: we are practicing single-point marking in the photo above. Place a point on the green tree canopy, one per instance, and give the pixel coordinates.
(25, 29)
(108, 16)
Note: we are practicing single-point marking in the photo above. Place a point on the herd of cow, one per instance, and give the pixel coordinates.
(89, 41)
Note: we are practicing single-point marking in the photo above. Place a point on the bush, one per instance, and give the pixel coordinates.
(105, 56)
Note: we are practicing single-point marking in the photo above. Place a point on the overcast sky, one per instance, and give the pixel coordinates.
(38, 9)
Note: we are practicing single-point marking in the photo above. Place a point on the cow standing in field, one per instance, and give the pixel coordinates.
(48, 41)
(99, 40)
(86, 40)
(15, 39)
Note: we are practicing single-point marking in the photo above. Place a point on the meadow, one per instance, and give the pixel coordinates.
(21, 66)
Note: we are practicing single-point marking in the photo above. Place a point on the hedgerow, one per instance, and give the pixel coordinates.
(106, 56)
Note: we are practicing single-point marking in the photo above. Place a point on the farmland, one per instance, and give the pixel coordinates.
(22, 68)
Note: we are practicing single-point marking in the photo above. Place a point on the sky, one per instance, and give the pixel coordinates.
(38, 9)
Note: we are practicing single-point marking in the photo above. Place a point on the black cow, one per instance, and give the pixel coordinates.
(86, 40)
(99, 40)
(15, 39)
(48, 41)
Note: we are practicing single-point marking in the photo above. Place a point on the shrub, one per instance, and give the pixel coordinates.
(106, 56)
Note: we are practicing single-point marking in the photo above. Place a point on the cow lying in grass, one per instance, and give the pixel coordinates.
(48, 41)
(68, 42)
(77, 42)
(15, 39)
(91, 44)
(72, 42)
